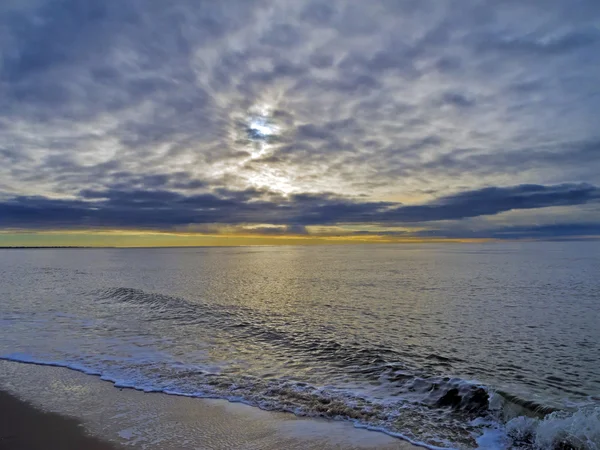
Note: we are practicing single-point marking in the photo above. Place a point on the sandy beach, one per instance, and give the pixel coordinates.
(52, 407)
(24, 427)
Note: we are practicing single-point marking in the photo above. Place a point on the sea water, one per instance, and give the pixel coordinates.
(491, 345)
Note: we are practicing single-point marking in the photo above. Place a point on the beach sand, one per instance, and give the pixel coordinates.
(61, 408)
(23, 427)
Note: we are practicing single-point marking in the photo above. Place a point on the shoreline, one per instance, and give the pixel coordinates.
(86, 408)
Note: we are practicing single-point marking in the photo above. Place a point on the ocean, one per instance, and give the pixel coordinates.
(492, 345)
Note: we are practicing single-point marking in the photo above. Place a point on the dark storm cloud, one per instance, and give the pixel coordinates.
(160, 209)
(494, 200)
(112, 108)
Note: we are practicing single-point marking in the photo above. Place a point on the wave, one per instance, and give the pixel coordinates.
(559, 430)
(520, 406)
(356, 357)
(369, 384)
(297, 398)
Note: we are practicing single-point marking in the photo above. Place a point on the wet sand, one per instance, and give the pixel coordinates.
(81, 411)
(23, 427)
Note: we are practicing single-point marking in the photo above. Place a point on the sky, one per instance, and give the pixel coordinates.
(200, 122)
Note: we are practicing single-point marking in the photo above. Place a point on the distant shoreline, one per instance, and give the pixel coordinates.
(48, 247)
(490, 241)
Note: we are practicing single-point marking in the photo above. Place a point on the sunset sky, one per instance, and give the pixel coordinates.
(130, 122)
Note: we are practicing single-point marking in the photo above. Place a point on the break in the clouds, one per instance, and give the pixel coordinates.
(452, 119)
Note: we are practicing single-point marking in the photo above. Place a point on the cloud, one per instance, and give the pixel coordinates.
(457, 99)
(401, 104)
(163, 209)
(571, 41)
(494, 200)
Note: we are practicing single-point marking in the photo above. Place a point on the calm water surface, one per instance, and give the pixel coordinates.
(489, 345)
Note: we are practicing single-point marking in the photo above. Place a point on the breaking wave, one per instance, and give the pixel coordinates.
(370, 385)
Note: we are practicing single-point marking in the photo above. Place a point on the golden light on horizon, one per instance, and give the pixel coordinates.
(146, 238)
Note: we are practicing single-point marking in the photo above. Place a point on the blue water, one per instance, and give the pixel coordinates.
(456, 346)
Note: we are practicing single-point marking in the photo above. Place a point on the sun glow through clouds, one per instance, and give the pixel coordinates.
(260, 126)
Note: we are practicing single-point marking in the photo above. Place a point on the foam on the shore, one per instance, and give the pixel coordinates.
(578, 430)
(166, 422)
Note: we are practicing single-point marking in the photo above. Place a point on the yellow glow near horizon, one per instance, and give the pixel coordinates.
(130, 238)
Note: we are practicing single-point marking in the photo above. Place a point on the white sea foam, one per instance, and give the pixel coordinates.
(580, 430)
(141, 384)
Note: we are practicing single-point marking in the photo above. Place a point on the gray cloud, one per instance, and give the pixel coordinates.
(165, 209)
(414, 101)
